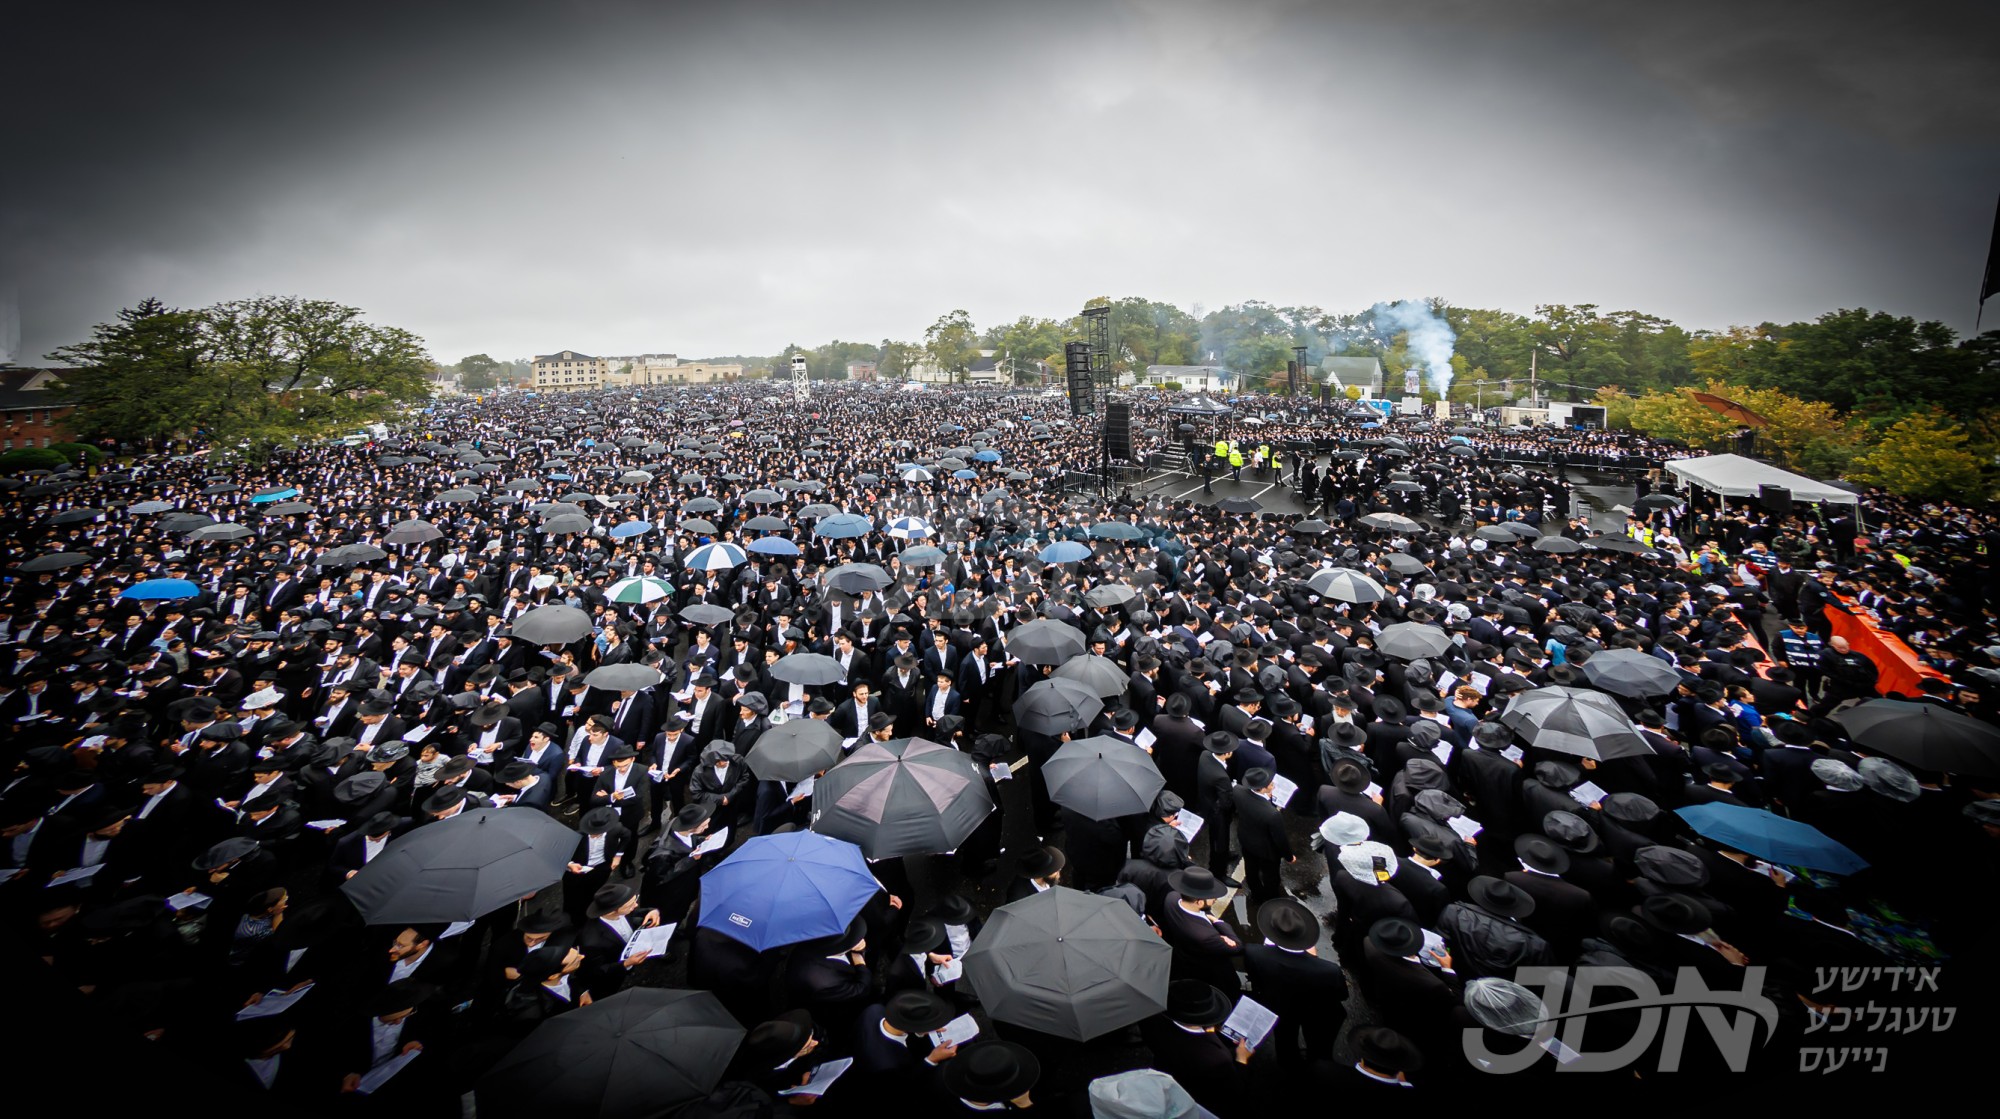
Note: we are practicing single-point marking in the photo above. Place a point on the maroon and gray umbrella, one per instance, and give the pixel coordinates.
(906, 796)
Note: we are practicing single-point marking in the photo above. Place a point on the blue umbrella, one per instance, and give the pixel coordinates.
(986, 456)
(784, 889)
(274, 495)
(1460, 439)
(162, 588)
(715, 557)
(841, 526)
(1370, 426)
(773, 546)
(560, 478)
(1065, 551)
(630, 529)
(1770, 836)
(963, 475)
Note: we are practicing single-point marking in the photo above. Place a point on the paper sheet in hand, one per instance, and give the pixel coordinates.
(822, 1078)
(416, 735)
(1513, 754)
(1587, 793)
(949, 972)
(1250, 1022)
(651, 941)
(1442, 751)
(958, 1031)
(1188, 823)
(178, 902)
(75, 874)
(1145, 738)
(273, 1002)
(713, 842)
(1465, 826)
(379, 1075)
(1000, 771)
(805, 787)
(1282, 789)
(325, 825)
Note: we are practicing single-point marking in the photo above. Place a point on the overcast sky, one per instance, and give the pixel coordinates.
(729, 177)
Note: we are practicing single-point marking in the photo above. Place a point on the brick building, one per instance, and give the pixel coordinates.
(33, 405)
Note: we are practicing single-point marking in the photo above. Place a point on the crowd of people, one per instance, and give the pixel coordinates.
(1359, 825)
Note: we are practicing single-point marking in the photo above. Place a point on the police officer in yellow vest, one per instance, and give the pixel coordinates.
(1235, 463)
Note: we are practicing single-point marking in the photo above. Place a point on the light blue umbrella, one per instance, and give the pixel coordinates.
(630, 529)
(964, 475)
(162, 589)
(274, 495)
(716, 557)
(1064, 551)
(923, 556)
(560, 478)
(842, 526)
(987, 456)
(1460, 439)
(773, 546)
(1770, 836)
(1370, 426)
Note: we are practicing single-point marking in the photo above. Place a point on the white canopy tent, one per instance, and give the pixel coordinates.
(1736, 476)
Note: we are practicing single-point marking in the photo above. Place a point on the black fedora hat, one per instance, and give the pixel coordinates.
(1351, 776)
(1192, 1002)
(1675, 913)
(1571, 831)
(1540, 853)
(607, 899)
(991, 1072)
(917, 1012)
(1385, 1050)
(1042, 862)
(1196, 883)
(1288, 924)
(1499, 897)
(1396, 936)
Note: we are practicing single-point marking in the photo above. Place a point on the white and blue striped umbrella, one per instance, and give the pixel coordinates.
(910, 528)
(716, 557)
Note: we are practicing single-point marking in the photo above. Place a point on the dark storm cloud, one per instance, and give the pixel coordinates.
(625, 177)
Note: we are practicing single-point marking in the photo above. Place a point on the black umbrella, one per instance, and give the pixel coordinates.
(810, 669)
(906, 796)
(1576, 721)
(706, 614)
(794, 750)
(638, 1054)
(1240, 505)
(1925, 735)
(1557, 545)
(1103, 778)
(627, 677)
(1044, 641)
(75, 516)
(1629, 672)
(854, 578)
(1068, 964)
(1409, 641)
(463, 868)
(1055, 706)
(54, 562)
(1100, 674)
(552, 625)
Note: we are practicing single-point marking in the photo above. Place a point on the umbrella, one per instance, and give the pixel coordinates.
(1100, 674)
(786, 889)
(842, 526)
(1239, 505)
(1629, 672)
(1056, 706)
(706, 614)
(566, 524)
(352, 554)
(287, 508)
(1656, 501)
(1522, 529)
(266, 496)
(1405, 487)
(923, 556)
(220, 488)
(1494, 534)
(1925, 735)
(75, 516)
(1312, 527)
(638, 1054)
(1117, 530)
(763, 497)
(1064, 551)
(1404, 563)
(626, 677)
(918, 474)
(641, 589)
(552, 625)
(794, 750)
(1110, 594)
(1616, 544)
(906, 796)
(1069, 964)
(1409, 641)
(1046, 641)
(162, 589)
(1770, 836)
(1587, 724)
(1388, 522)
(628, 529)
(716, 557)
(524, 485)
(909, 528)
(1346, 585)
(819, 509)
(452, 497)
(54, 562)
(463, 868)
(412, 532)
(223, 531)
(809, 669)
(147, 508)
(854, 578)
(1725, 407)
(696, 524)
(701, 505)
(1103, 778)
(772, 546)
(1557, 545)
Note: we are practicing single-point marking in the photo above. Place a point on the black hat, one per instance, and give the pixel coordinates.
(1676, 913)
(1541, 854)
(444, 799)
(389, 752)
(454, 766)
(1396, 936)
(1288, 924)
(608, 898)
(356, 789)
(1042, 862)
(1351, 776)
(1670, 866)
(552, 731)
(952, 909)
(1571, 831)
(1192, 1002)
(620, 752)
(1388, 708)
(769, 1044)
(1492, 735)
(376, 707)
(1257, 779)
(488, 716)
(515, 771)
(1196, 883)
(922, 935)
(1219, 742)
(1498, 897)
(692, 814)
(546, 962)
(1385, 1050)
(1557, 775)
(917, 1012)
(380, 822)
(228, 851)
(598, 820)
(1630, 808)
(991, 1072)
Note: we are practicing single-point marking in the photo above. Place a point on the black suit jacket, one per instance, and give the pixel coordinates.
(1299, 988)
(1260, 825)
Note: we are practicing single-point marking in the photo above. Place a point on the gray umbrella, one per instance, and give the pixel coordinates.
(1346, 585)
(624, 677)
(1055, 706)
(702, 505)
(1103, 778)
(1389, 522)
(1404, 564)
(352, 554)
(463, 868)
(1629, 672)
(412, 532)
(854, 578)
(1046, 641)
(906, 796)
(552, 625)
(706, 614)
(1494, 534)
(566, 524)
(641, 1052)
(1409, 641)
(1110, 594)
(1557, 545)
(223, 531)
(1068, 964)
(810, 669)
(55, 561)
(1578, 721)
(794, 750)
(1100, 674)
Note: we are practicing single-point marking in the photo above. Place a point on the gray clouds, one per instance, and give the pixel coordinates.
(631, 177)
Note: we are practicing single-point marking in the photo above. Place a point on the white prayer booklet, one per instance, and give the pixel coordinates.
(75, 874)
(652, 941)
(1514, 754)
(1282, 789)
(325, 825)
(713, 842)
(189, 900)
(1251, 1022)
(416, 734)
(1587, 793)
(1144, 738)
(379, 1075)
(805, 787)
(1188, 822)
(822, 1078)
(273, 1003)
(1000, 771)
(1442, 751)
(1465, 826)
(1372, 791)
(948, 972)
(958, 1031)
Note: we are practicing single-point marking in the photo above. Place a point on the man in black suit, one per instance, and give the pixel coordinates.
(621, 784)
(832, 980)
(1186, 1040)
(614, 915)
(674, 870)
(1564, 913)
(903, 696)
(1413, 989)
(364, 844)
(1204, 947)
(892, 1047)
(1213, 801)
(1287, 975)
(851, 717)
(1260, 826)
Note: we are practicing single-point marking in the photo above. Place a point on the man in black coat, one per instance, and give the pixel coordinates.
(1213, 801)
(831, 979)
(1204, 947)
(1260, 826)
(1564, 912)
(1288, 977)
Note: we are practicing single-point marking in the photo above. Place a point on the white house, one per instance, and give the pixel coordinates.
(1191, 378)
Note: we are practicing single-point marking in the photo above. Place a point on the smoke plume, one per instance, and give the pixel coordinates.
(1430, 338)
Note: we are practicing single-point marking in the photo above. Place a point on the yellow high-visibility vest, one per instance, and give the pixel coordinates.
(1222, 448)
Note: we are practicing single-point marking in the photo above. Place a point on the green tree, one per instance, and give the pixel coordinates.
(1851, 358)
(141, 377)
(479, 373)
(1925, 456)
(951, 343)
(896, 359)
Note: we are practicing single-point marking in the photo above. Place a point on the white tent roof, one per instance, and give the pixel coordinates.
(1736, 476)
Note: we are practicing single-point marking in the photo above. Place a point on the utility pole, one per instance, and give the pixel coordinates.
(1534, 372)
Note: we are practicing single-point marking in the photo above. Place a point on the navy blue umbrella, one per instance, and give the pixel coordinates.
(784, 889)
